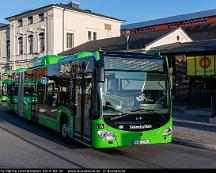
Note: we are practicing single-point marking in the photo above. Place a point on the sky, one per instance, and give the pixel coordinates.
(131, 11)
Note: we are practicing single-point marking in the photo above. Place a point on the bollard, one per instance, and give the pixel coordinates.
(212, 117)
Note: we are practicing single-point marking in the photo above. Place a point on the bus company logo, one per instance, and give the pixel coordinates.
(205, 62)
(135, 127)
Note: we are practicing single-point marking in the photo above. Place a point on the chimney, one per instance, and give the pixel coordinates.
(73, 4)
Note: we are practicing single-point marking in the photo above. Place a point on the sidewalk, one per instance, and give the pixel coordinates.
(193, 130)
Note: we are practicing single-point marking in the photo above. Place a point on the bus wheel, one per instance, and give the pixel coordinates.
(64, 128)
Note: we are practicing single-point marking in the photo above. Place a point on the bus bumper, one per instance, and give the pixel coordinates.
(125, 138)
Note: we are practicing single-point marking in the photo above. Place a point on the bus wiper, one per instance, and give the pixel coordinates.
(119, 116)
(123, 114)
(147, 110)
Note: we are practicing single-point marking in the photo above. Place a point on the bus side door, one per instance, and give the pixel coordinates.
(83, 92)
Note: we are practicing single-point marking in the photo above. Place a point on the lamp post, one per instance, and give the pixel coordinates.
(127, 36)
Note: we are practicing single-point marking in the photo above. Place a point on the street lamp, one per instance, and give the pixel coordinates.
(127, 36)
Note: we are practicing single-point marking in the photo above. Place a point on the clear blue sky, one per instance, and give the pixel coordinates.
(129, 10)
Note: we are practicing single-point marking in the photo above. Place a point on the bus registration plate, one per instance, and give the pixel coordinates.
(140, 142)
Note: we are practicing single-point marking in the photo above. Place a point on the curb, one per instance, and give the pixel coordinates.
(194, 122)
(194, 144)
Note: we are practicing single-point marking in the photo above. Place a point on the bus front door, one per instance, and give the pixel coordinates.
(83, 92)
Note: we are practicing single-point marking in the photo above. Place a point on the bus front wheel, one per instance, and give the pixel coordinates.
(64, 128)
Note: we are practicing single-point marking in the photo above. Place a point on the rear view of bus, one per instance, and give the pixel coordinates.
(134, 100)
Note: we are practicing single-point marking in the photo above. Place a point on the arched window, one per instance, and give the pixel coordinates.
(20, 43)
(8, 48)
(41, 42)
(31, 43)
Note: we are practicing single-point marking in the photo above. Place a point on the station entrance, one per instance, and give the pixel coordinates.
(202, 91)
(201, 71)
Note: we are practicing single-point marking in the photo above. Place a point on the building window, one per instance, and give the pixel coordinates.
(41, 17)
(20, 23)
(42, 42)
(30, 19)
(89, 35)
(70, 40)
(107, 26)
(8, 48)
(94, 35)
(178, 38)
(108, 30)
(20, 42)
(30, 41)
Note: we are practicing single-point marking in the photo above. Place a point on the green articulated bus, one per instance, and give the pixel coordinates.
(7, 79)
(12, 101)
(101, 99)
(9, 90)
(26, 82)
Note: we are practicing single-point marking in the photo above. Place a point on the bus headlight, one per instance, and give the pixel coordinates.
(167, 132)
(106, 135)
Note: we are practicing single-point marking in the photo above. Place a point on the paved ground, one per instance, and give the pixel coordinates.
(24, 145)
(195, 128)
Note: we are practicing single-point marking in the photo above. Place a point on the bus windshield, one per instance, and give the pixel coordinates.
(128, 91)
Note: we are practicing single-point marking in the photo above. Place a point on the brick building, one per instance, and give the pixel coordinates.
(193, 63)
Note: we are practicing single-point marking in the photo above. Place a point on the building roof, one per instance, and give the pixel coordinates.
(189, 47)
(65, 6)
(178, 18)
(2, 25)
(201, 32)
(138, 41)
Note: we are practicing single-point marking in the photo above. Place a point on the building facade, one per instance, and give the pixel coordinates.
(4, 46)
(53, 29)
(142, 42)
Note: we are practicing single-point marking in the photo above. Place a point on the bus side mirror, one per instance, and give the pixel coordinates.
(100, 74)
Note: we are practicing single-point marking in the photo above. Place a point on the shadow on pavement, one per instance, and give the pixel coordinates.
(36, 129)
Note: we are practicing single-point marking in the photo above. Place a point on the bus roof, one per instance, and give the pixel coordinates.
(45, 61)
(133, 53)
(21, 69)
(80, 55)
(96, 55)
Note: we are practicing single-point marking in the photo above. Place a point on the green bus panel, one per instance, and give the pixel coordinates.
(126, 138)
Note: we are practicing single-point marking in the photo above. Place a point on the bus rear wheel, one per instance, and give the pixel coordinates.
(65, 129)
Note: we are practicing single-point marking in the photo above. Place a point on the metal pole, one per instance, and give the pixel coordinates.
(127, 35)
(21, 94)
(127, 43)
(212, 105)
